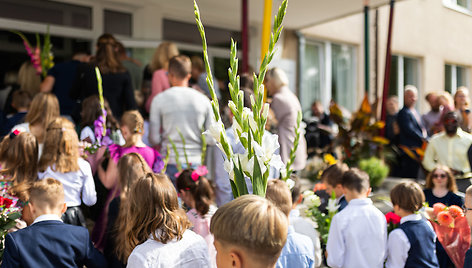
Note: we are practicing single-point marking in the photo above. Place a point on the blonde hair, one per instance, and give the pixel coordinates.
(43, 109)
(451, 180)
(28, 79)
(278, 76)
(279, 193)
(61, 147)
(252, 223)
(19, 154)
(465, 91)
(164, 52)
(47, 192)
(134, 121)
(152, 209)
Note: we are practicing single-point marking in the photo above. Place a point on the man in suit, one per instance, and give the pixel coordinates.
(412, 132)
(48, 242)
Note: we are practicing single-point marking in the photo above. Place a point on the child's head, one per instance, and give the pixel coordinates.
(19, 160)
(249, 231)
(407, 198)
(195, 190)
(152, 209)
(355, 184)
(296, 191)
(279, 193)
(43, 109)
(21, 100)
(333, 178)
(91, 110)
(61, 147)
(132, 127)
(441, 177)
(468, 205)
(46, 196)
(131, 167)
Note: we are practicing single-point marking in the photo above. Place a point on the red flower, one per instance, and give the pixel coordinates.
(392, 218)
(6, 202)
(438, 207)
(456, 211)
(445, 219)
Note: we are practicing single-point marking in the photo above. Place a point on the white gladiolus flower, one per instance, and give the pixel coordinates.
(276, 162)
(265, 112)
(241, 158)
(236, 128)
(215, 130)
(253, 102)
(332, 207)
(228, 166)
(250, 165)
(270, 143)
(290, 183)
(283, 173)
(307, 193)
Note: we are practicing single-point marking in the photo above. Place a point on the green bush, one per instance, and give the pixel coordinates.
(376, 168)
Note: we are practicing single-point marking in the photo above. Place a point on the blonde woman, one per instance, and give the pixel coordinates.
(43, 109)
(158, 67)
(61, 161)
(156, 231)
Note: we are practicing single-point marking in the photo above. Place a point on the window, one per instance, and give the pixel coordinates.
(328, 73)
(118, 22)
(464, 6)
(48, 12)
(455, 76)
(403, 71)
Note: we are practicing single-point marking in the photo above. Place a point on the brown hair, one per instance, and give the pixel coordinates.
(279, 193)
(28, 79)
(253, 223)
(296, 189)
(164, 52)
(451, 180)
(134, 121)
(152, 205)
(21, 99)
(107, 56)
(19, 155)
(408, 196)
(356, 180)
(201, 190)
(333, 175)
(43, 109)
(47, 192)
(197, 63)
(61, 147)
(131, 167)
(180, 66)
(91, 110)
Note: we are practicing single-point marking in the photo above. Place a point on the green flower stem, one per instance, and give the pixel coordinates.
(294, 148)
(177, 160)
(100, 96)
(183, 144)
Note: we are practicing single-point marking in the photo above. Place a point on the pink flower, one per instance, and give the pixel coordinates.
(445, 219)
(199, 172)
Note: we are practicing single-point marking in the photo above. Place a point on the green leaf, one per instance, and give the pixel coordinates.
(240, 179)
(14, 215)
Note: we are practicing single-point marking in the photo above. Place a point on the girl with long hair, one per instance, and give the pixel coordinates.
(131, 167)
(43, 109)
(155, 230)
(441, 188)
(462, 105)
(62, 162)
(18, 166)
(91, 110)
(197, 193)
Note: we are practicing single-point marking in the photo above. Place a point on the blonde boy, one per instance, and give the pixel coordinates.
(298, 250)
(468, 215)
(249, 231)
(358, 234)
(48, 242)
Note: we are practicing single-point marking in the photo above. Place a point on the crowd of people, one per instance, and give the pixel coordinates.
(132, 169)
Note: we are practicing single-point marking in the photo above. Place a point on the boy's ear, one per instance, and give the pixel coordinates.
(368, 192)
(236, 259)
(64, 208)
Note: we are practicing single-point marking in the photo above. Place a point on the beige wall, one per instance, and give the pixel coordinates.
(425, 29)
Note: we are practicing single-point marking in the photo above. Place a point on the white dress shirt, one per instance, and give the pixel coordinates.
(305, 227)
(77, 184)
(190, 251)
(399, 245)
(357, 236)
(47, 217)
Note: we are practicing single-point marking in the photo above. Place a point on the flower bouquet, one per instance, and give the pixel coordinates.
(393, 221)
(452, 230)
(323, 220)
(9, 213)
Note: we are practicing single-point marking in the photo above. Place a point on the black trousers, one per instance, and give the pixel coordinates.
(74, 216)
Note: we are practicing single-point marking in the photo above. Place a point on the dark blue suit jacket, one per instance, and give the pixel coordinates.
(411, 134)
(51, 244)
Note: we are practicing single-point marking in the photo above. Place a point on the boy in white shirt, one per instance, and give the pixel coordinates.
(358, 234)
